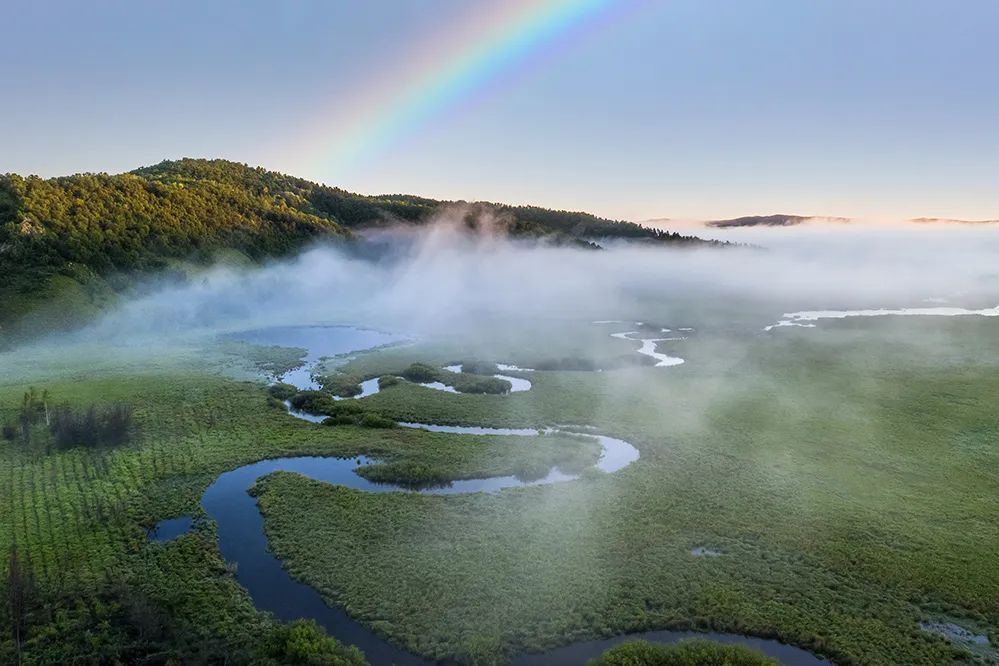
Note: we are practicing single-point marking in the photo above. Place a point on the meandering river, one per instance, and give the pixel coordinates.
(240, 526)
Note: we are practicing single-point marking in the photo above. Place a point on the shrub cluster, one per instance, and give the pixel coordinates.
(363, 419)
(313, 402)
(33, 410)
(345, 386)
(463, 382)
(339, 412)
(91, 426)
(375, 420)
(305, 642)
(686, 653)
(411, 474)
(387, 380)
(479, 368)
(282, 391)
(421, 373)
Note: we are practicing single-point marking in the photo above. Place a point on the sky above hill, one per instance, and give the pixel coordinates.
(631, 109)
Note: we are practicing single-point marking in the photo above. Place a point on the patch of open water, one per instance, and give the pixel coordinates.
(169, 529)
(802, 318)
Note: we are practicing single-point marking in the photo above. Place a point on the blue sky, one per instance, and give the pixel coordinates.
(687, 108)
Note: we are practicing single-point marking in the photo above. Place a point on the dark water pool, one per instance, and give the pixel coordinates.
(170, 529)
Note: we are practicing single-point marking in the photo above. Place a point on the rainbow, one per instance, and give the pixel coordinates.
(448, 69)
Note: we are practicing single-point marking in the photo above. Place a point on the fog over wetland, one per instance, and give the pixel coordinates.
(757, 344)
(448, 278)
(500, 333)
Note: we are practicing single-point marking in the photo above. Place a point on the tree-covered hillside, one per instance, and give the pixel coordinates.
(357, 211)
(68, 245)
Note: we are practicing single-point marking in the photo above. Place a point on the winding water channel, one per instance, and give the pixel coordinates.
(242, 540)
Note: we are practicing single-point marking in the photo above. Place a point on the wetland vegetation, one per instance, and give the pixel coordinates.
(249, 418)
(428, 570)
(814, 493)
(687, 653)
(465, 381)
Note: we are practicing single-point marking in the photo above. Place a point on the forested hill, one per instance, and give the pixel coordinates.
(81, 239)
(356, 211)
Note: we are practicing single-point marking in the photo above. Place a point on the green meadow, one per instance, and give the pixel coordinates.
(845, 477)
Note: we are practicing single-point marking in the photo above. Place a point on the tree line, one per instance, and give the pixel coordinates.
(140, 219)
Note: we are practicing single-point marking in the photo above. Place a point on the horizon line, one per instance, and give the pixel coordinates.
(811, 219)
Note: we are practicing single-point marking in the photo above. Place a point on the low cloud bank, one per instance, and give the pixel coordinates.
(445, 276)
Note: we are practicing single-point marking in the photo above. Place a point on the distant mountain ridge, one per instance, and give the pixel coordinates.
(783, 220)
(947, 220)
(777, 220)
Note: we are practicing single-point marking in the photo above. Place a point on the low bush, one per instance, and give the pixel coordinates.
(34, 410)
(313, 402)
(421, 373)
(91, 427)
(373, 420)
(344, 386)
(479, 368)
(343, 419)
(409, 473)
(282, 391)
(695, 652)
(305, 642)
(387, 380)
(348, 412)
(465, 383)
(346, 407)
